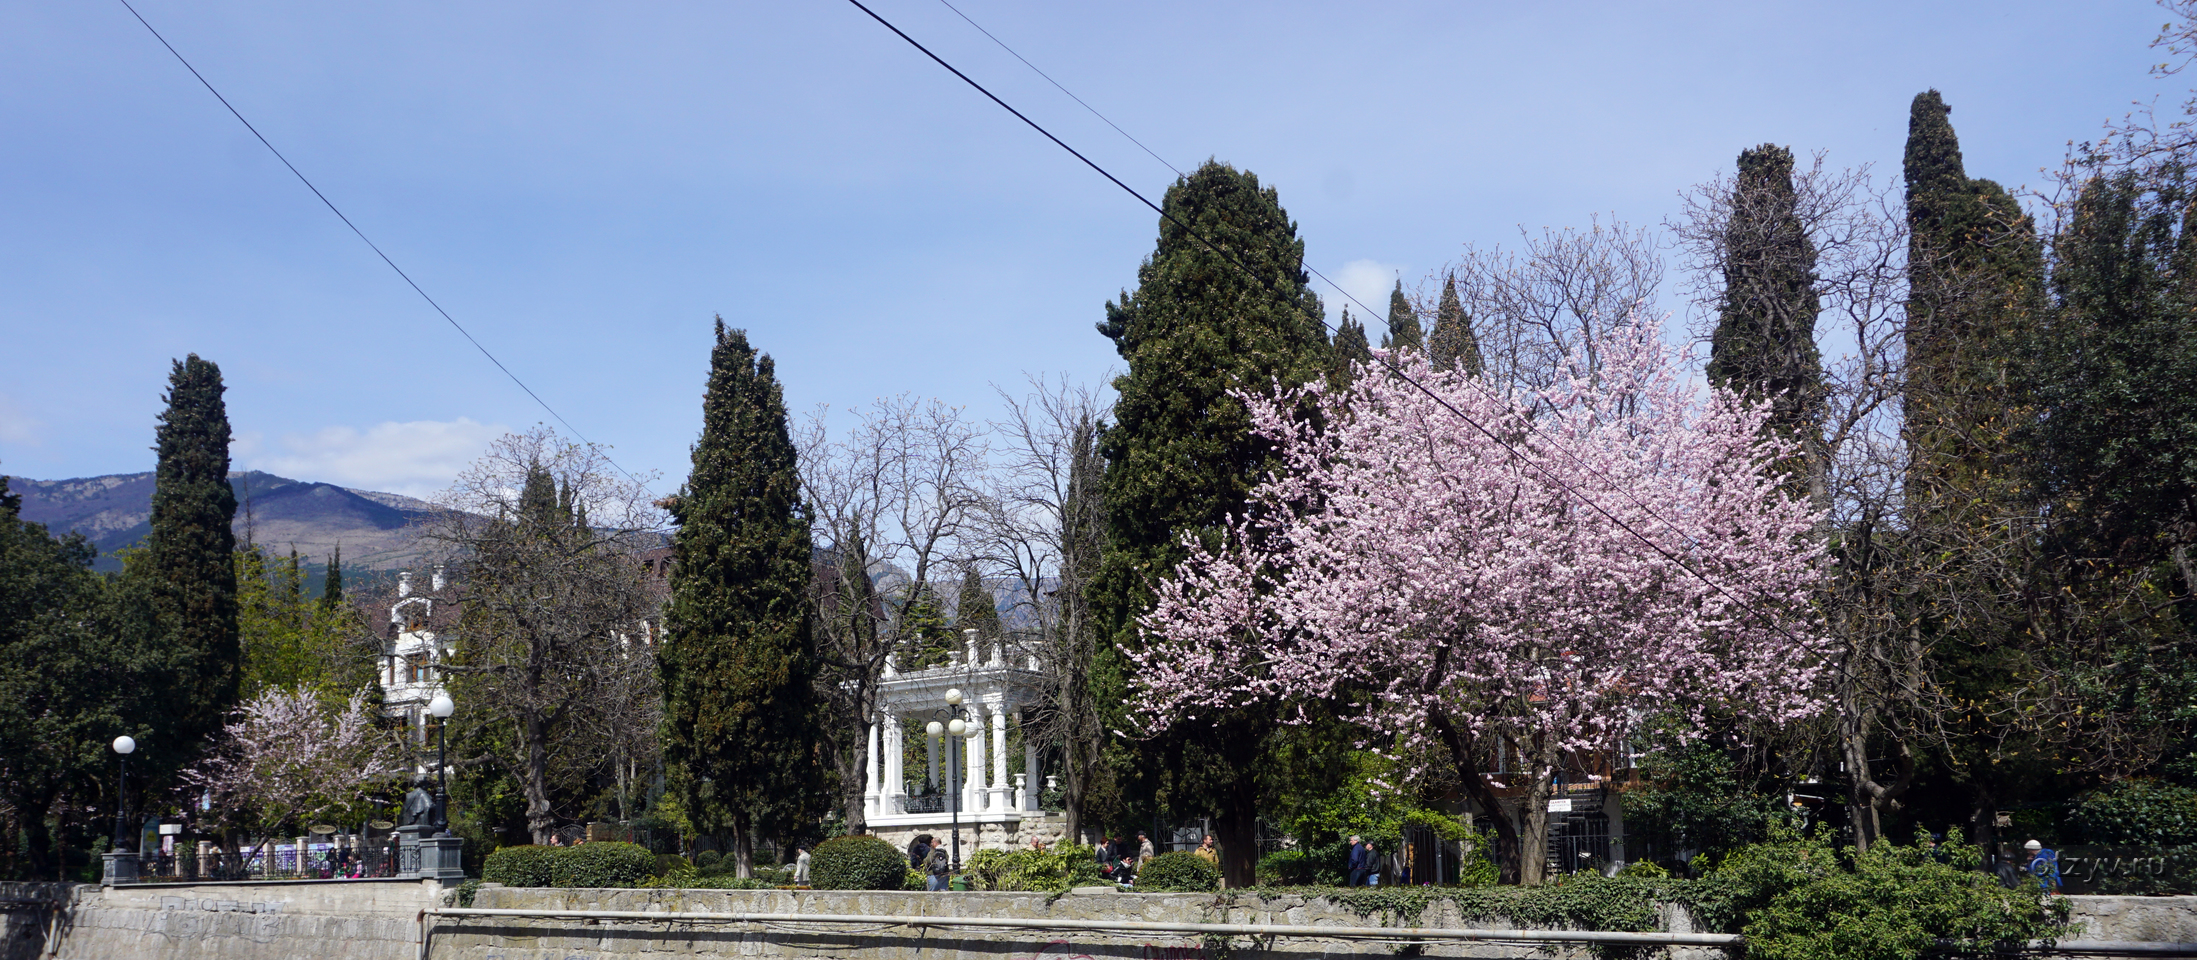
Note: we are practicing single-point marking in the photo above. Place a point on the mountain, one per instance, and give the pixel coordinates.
(278, 513)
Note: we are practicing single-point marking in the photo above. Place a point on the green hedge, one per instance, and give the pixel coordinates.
(1179, 872)
(857, 863)
(1054, 870)
(599, 864)
(521, 866)
(2136, 812)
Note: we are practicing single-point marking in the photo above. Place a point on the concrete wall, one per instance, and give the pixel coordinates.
(377, 920)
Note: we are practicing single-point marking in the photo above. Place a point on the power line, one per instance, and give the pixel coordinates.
(1071, 94)
(1393, 368)
(454, 324)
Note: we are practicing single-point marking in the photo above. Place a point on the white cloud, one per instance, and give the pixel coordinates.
(417, 459)
(16, 424)
(1370, 282)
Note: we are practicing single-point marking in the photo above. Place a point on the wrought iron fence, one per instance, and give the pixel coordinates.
(374, 854)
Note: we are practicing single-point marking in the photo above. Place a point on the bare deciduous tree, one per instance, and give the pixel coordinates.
(893, 505)
(1533, 306)
(552, 664)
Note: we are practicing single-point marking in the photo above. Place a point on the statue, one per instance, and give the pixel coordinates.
(419, 807)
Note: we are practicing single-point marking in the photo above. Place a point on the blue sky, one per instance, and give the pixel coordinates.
(585, 186)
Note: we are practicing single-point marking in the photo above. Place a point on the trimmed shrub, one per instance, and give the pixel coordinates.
(602, 864)
(1179, 872)
(775, 876)
(1285, 868)
(914, 881)
(707, 859)
(2136, 812)
(520, 866)
(857, 863)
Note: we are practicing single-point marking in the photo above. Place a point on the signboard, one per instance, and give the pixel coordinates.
(1560, 806)
(171, 829)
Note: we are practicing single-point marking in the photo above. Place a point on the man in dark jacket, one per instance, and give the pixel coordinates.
(1359, 868)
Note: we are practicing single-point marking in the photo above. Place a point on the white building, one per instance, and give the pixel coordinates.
(419, 641)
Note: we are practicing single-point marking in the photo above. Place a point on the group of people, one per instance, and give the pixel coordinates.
(1119, 858)
(928, 858)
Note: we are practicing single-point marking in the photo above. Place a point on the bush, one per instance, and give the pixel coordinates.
(601, 864)
(1179, 872)
(775, 876)
(2136, 812)
(915, 880)
(707, 859)
(1285, 868)
(521, 866)
(1038, 871)
(857, 863)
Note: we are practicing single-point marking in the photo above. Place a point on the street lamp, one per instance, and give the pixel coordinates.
(123, 747)
(441, 708)
(960, 728)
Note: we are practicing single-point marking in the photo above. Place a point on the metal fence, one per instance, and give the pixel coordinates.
(373, 854)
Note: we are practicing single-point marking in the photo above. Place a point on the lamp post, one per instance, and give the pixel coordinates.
(441, 708)
(954, 724)
(123, 747)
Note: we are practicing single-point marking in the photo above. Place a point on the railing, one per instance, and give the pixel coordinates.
(373, 856)
(930, 804)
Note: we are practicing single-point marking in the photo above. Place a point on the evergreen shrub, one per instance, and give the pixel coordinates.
(915, 880)
(1285, 868)
(520, 866)
(1179, 872)
(1055, 870)
(857, 862)
(601, 864)
(707, 859)
(2136, 812)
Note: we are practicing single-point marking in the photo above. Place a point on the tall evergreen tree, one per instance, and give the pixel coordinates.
(1181, 459)
(190, 551)
(1764, 346)
(1404, 332)
(331, 590)
(1975, 282)
(976, 609)
(1351, 347)
(741, 725)
(1454, 346)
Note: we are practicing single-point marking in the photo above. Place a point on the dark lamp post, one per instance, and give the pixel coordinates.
(123, 747)
(441, 708)
(959, 728)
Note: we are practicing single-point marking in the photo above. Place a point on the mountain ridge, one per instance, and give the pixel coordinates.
(114, 512)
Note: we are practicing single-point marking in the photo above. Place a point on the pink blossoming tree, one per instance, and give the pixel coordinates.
(1477, 586)
(288, 758)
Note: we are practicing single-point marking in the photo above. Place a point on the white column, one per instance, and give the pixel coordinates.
(1000, 787)
(930, 746)
(896, 782)
(1029, 771)
(869, 773)
(973, 782)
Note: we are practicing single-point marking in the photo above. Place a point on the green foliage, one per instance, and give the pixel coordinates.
(1645, 870)
(707, 859)
(858, 862)
(1806, 898)
(1052, 870)
(738, 663)
(1404, 332)
(1285, 868)
(915, 880)
(189, 556)
(601, 864)
(1698, 798)
(520, 866)
(1764, 345)
(463, 895)
(290, 641)
(1178, 872)
(1453, 345)
(1352, 349)
(2136, 812)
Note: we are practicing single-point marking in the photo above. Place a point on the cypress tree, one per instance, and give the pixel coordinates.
(741, 725)
(1404, 332)
(1350, 347)
(190, 551)
(1181, 459)
(1453, 345)
(976, 609)
(331, 591)
(1975, 282)
(1764, 346)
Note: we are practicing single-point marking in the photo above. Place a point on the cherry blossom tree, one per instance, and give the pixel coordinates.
(1511, 577)
(289, 757)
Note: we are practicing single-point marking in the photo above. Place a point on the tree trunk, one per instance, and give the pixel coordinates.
(1465, 756)
(40, 841)
(539, 820)
(743, 847)
(1533, 814)
(1236, 832)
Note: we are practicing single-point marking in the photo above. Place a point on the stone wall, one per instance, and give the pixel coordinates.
(2152, 919)
(984, 836)
(346, 919)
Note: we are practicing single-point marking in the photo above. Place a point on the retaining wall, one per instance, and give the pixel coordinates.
(378, 920)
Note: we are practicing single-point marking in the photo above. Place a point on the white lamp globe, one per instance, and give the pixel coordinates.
(953, 697)
(956, 727)
(934, 728)
(125, 746)
(441, 706)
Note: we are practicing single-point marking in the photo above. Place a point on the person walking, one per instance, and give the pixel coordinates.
(800, 866)
(1145, 851)
(919, 851)
(1358, 866)
(2044, 864)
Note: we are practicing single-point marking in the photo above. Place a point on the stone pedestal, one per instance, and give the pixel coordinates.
(408, 849)
(441, 859)
(120, 867)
